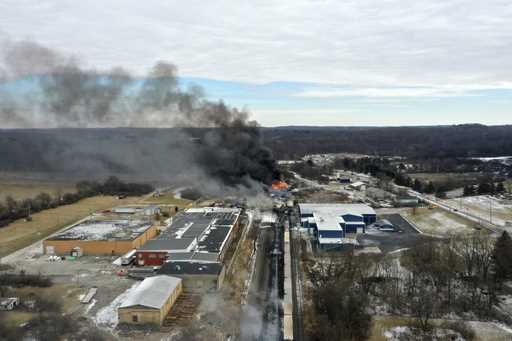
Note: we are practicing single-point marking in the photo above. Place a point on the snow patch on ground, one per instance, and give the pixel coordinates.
(106, 317)
(439, 223)
(504, 327)
(89, 307)
(405, 333)
(394, 334)
(481, 207)
(441, 219)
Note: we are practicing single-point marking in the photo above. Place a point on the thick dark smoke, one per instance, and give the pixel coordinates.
(215, 140)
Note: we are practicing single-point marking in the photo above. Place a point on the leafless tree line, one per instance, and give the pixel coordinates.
(459, 277)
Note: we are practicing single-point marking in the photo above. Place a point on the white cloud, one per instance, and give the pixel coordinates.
(382, 43)
(404, 92)
(379, 92)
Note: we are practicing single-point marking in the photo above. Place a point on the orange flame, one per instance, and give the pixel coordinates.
(279, 185)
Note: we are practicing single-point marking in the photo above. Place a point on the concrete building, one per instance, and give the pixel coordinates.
(100, 238)
(205, 230)
(336, 225)
(151, 301)
(198, 276)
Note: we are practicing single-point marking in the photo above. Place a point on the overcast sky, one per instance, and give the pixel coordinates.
(373, 62)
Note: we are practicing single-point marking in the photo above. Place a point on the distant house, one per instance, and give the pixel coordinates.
(151, 301)
(358, 186)
(9, 303)
(406, 201)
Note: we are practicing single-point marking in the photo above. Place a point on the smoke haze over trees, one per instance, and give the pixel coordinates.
(55, 91)
(467, 140)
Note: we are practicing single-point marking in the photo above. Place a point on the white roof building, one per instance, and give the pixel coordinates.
(334, 223)
(338, 209)
(153, 292)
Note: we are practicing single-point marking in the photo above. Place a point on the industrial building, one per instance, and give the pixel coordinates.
(194, 234)
(197, 276)
(151, 301)
(138, 210)
(336, 225)
(96, 237)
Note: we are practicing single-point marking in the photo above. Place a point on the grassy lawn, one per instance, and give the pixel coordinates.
(169, 199)
(29, 189)
(15, 318)
(21, 233)
(438, 221)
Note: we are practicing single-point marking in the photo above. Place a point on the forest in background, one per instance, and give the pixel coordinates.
(121, 151)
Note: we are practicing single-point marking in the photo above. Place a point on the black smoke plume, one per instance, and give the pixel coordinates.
(210, 138)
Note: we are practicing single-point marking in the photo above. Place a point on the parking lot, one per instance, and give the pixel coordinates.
(404, 237)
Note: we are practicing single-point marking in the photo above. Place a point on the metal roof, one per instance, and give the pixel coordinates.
(190, 268)
(196, 256)
(339, 209)
(328, 217)
(328, 221)
(200, 229)
(153, 292)
(114, 229)
(167, 245)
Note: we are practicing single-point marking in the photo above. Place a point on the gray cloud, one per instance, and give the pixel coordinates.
(363, 43)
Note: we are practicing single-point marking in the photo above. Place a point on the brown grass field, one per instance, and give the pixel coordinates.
(168, 199)
(22, 233)
(67, 294)
(439, 222)
(29, 189)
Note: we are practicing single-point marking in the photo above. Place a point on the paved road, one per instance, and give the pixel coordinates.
(433, 201)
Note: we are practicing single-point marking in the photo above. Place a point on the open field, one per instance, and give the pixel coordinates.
(485, 207)
(22, 233)
(443, 177)
(168, 199)
(22, 190)
(438, 221)
(67, 294)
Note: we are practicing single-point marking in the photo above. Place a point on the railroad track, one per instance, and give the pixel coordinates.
(298, 322)
(183, 311)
